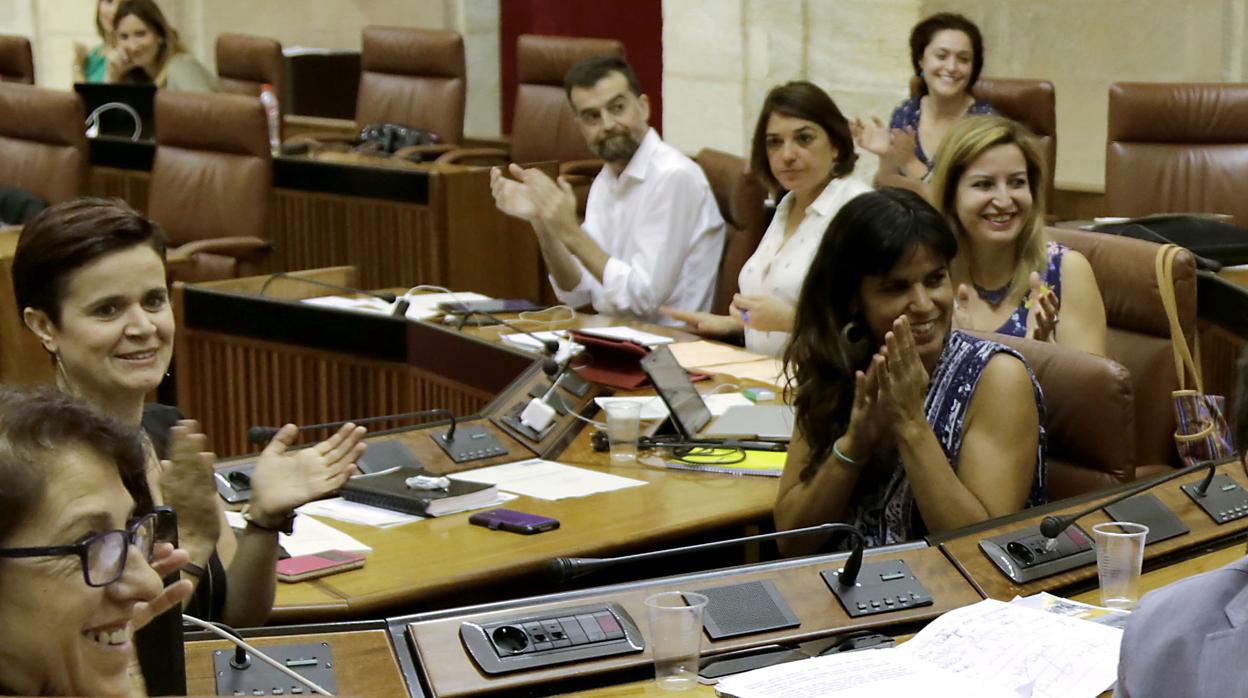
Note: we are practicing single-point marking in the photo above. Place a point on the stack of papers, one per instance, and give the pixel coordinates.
(987, 649)
(543, 479)
(648, 339)
(712, 357)
(310, 536)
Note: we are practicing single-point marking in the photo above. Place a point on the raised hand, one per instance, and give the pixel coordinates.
(511, 197)
(765, 313)
(903, 380)
(285, 479)
(186, 485)
(866, 425)
(872, 137)
(705, 324)
(554, 200)
(166, 560)
(962, 309)
(1046, 304)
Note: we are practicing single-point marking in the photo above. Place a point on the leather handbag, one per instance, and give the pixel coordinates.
(1201, 430)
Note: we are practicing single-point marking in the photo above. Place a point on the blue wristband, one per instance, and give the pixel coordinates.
(841, 456)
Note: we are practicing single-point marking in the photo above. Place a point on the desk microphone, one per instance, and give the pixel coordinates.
(401, 304)
(1053, 526)
(564, 568)
(262, 435)
(550, 345)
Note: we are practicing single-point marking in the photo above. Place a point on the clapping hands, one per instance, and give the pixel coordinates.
(533, 196)
(285, 479)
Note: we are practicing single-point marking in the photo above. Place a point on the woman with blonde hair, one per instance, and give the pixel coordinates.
(149, 50)
(990, 185)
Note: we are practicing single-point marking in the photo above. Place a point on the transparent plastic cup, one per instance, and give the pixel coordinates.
(623, 429)
(1119, 557)
(675, 638)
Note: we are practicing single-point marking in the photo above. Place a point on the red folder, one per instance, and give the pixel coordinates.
(616, 362)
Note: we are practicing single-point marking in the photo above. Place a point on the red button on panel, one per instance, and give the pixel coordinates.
(608, 623)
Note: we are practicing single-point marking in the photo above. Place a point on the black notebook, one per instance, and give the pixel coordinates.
(388, 489)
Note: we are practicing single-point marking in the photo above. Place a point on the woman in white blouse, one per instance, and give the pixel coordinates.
(802, 145)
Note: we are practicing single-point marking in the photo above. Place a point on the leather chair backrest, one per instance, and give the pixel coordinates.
(213, 171)
(1139, 334)
(17, 63)
(1032, 103)
(741, 200)
(543, 127)
(42, 146)
(245, 62)
(1087, 399)
(1177, 148)
(414, 77)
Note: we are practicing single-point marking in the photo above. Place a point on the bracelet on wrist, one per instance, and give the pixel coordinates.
(840, 455)
(285, 525)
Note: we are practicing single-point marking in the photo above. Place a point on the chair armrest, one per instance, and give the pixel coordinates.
(322, 137)
(294, 125)
(495, 142)
(477, 156)
(228, 246)
(423, 150)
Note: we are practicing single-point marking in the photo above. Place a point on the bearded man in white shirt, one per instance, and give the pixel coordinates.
(652, 235)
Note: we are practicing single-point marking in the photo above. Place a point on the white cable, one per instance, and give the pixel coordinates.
(93, 119)
(256, 653)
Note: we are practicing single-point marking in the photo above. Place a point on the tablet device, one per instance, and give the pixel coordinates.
(688, 411)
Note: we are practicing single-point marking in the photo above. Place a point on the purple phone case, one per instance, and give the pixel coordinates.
(514, 521)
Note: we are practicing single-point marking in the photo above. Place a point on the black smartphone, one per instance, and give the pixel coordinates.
(514, 521)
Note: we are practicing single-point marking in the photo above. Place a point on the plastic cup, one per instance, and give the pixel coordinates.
(623, 428)
(675, 638)
(1119, 557)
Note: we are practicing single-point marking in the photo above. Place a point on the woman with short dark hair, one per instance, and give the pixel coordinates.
(90, 282)
(904, 427)
(947, 52)
(802, 148)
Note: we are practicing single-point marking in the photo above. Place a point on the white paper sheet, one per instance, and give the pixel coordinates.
(865, 674)
(424, 306)
(647, 338)
(311, 536)
(653, 407)
(543, 479)
(366, 305)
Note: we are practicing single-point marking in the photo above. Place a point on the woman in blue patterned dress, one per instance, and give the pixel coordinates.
(990, 184)
(947, 52)
(904, 426)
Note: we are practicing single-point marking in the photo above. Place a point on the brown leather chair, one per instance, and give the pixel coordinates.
(17, 63)
(42, 144)
(1139, 334)
(414, 77)
(211, 182)
(245, 62)
(1087, 399)
(1032, 103)
(1177, 148)
(543, 127)
(741, 200)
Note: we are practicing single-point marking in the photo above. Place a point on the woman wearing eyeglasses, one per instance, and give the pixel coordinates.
(89, 279)
(79, 567)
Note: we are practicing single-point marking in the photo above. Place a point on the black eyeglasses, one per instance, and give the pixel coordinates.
(103, 555)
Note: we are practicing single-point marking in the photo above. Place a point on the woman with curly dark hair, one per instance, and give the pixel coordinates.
(903, 426)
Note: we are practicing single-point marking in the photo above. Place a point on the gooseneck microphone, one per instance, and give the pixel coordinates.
(565, 568)
(550, 345)
(262, 435)
(401, 304)
(1053, 526)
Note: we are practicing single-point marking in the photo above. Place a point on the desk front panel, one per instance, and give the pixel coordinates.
(965, 552)
(448, 669)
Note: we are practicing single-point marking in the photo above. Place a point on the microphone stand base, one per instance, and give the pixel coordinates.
(1225, 501)
(882, 587)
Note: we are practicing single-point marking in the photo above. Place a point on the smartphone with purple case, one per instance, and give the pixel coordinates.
(514, 521)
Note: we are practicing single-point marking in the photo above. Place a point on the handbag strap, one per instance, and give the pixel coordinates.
(1164, 263)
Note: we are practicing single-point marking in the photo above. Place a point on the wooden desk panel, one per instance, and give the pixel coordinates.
(23, 360)
(131, 186)
(364, 662)
(450, 672)
(965, 552)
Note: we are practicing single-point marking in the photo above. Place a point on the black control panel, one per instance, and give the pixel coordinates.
(1224, 501)
(561, 636)
(881, 587)
(471, 442)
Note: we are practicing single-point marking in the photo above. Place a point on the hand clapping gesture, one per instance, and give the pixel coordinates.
(284, 480)
(186, 485)
(866, 418)
(873, 137)
(1046, 313)
(166, 560)
(535, 197)
(903, 380)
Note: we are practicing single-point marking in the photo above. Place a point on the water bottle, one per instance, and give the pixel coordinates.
(269, 100)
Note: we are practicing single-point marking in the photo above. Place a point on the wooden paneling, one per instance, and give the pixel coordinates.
(364, 662)
(965, 552)
(130, 186)
(450, 671)
(1219, 349)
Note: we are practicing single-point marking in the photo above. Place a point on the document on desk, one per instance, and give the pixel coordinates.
(648, 339)
(310, 536)
(863, 674)
(1022, 651)
(703, 354)
(543, 479)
